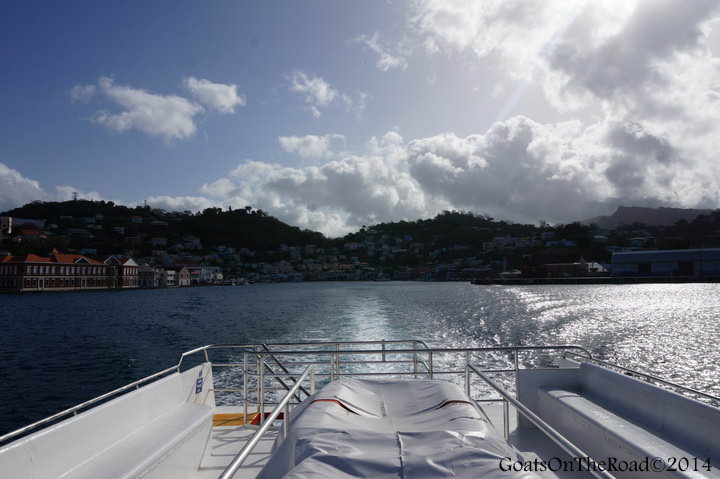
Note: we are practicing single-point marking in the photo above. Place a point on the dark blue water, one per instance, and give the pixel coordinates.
(59, 349)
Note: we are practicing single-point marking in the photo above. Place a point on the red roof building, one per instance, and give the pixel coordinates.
(57, 272)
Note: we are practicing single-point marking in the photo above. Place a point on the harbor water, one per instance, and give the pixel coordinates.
(59, 349)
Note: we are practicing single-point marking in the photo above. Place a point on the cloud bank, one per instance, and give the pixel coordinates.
(519, 170)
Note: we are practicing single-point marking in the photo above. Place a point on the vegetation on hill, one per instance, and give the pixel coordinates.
(74, 225)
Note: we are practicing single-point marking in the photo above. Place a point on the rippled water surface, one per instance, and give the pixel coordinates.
(59, 349)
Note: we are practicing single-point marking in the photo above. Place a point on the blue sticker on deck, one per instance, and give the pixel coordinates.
(199, 384)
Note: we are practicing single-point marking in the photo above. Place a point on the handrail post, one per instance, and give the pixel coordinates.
(245, 385)
(286, 419)
(415, 359)
(430, 361)
(260, 388)
(312, 381)
(506, 419)
(337, 360)
(467, 374)
(467, 380)
(383, 350)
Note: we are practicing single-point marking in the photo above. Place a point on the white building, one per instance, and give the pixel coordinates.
(211, 275)
(169, 279)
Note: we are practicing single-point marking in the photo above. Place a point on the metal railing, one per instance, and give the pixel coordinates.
(257, 383)
(283, 406)
(337, 360)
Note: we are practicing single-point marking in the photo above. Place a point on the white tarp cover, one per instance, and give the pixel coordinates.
(355, 428)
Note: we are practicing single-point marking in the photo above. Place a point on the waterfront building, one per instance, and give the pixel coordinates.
(169, 279)
(57, 272)
(150, 276)
(183, 277)
(682, 262)
(123, 271)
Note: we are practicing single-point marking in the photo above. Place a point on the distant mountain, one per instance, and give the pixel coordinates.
(662, 216)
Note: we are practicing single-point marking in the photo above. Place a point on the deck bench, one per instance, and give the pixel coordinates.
(614, 416)
(632, 440)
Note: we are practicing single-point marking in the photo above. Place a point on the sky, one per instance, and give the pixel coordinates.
(333, 115)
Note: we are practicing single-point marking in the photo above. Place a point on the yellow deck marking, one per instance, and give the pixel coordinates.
(235, 419)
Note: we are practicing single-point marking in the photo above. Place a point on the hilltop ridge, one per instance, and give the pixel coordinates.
(249, 243)
(662, 216)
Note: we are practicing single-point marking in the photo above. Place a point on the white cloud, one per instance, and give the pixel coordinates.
(645, 66)
(314, 111)
(386, 60)
(180, 203)
(222, 188)
(317, 92)
(16, 190)
(170, 117)
(361, 104)
(167, 116)
(66, 193)
(310, 146)
(222, 98)
(82, 93)
(626, 55)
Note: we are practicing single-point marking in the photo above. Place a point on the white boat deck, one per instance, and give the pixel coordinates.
(174, 412)
(224, 444)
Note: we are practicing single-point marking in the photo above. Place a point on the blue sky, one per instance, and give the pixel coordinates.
(330, 115)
